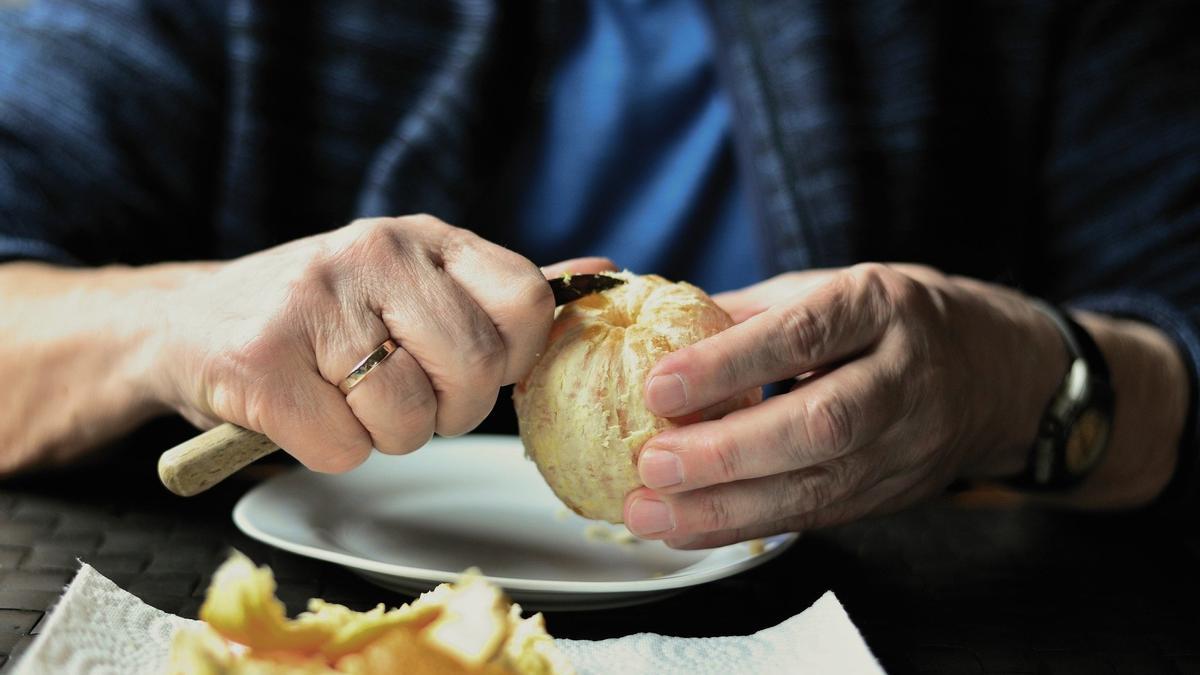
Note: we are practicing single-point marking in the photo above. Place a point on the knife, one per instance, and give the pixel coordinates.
(209, 458)
(575, 286)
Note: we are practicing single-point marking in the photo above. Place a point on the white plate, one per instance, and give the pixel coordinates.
(409, 523)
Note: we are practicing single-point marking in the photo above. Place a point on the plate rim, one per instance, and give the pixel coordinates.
(776, 545)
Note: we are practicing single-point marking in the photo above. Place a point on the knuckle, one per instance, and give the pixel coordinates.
(371, 228)
(457, 427)
(870, 284)
(826, 425)
(348, 443)
(412, 420)
(483, 349)
(381, 240)
(418, 225)
(226, 398)
(280, 406)
(524, 322)
(905, 292)
(377, 244)
(316, 284)
(715, 514)
(251, 365)
(469, 408)
(888, 290)
(714, 364)
(416, 401)
(530, 302)
(725, 459)
(419, 423)
(259, 405)
(362, 226)
(327, 450)
(405, 442)
(876, 280)
(423, 220)
(738, 369)
(872, 278)
(454, 243)
(869, 273)
(922, 273)
(807, 491)
(533, 295)
(799, 335)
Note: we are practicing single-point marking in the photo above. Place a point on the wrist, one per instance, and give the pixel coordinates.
(1150, 378)
(126, 308)
(1147, 375)
(153, 359)
(1026, 360)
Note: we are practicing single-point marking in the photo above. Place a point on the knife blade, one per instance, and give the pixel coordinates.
(575, 286)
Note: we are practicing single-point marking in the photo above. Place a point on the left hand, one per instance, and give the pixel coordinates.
(905, 380)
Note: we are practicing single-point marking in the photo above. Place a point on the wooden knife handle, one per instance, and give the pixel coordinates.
(197, 464)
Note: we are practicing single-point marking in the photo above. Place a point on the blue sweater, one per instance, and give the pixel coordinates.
(631, 156)
(1051, 146)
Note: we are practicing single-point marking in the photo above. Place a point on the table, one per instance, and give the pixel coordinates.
(935, 589)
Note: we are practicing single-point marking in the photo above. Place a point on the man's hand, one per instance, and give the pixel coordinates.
(904, 380)
(263, 341)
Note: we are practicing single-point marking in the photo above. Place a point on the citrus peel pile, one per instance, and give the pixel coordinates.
(466, 627)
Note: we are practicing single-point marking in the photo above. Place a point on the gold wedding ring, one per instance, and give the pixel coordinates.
(368, 364)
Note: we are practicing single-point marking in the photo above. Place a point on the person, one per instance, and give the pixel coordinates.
(201, 212)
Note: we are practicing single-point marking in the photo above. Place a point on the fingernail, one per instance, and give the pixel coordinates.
(666, 393)
(649, 516)
(660, 468)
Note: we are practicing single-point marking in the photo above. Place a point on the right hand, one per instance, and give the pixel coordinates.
(263, 341)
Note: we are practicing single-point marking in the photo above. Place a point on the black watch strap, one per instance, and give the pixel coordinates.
(1074, 428)
(1079, 342)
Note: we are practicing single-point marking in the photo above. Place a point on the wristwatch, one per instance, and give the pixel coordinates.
(1075, 428)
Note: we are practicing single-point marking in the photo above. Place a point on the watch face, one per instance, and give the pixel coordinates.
(1087, 441)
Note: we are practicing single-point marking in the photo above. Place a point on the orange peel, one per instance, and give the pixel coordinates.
(466, 627)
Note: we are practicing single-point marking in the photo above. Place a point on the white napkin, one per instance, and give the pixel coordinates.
(100, 629)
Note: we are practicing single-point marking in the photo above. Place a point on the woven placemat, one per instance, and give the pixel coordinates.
(934, 589)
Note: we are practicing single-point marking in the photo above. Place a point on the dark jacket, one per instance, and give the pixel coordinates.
(1050, 146)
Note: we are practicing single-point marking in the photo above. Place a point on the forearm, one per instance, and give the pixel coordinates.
(76, 358)
(1149, 378)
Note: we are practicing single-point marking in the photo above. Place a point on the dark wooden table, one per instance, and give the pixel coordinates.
(935, 589)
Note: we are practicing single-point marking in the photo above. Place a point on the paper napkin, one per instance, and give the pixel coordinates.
(98, 628)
